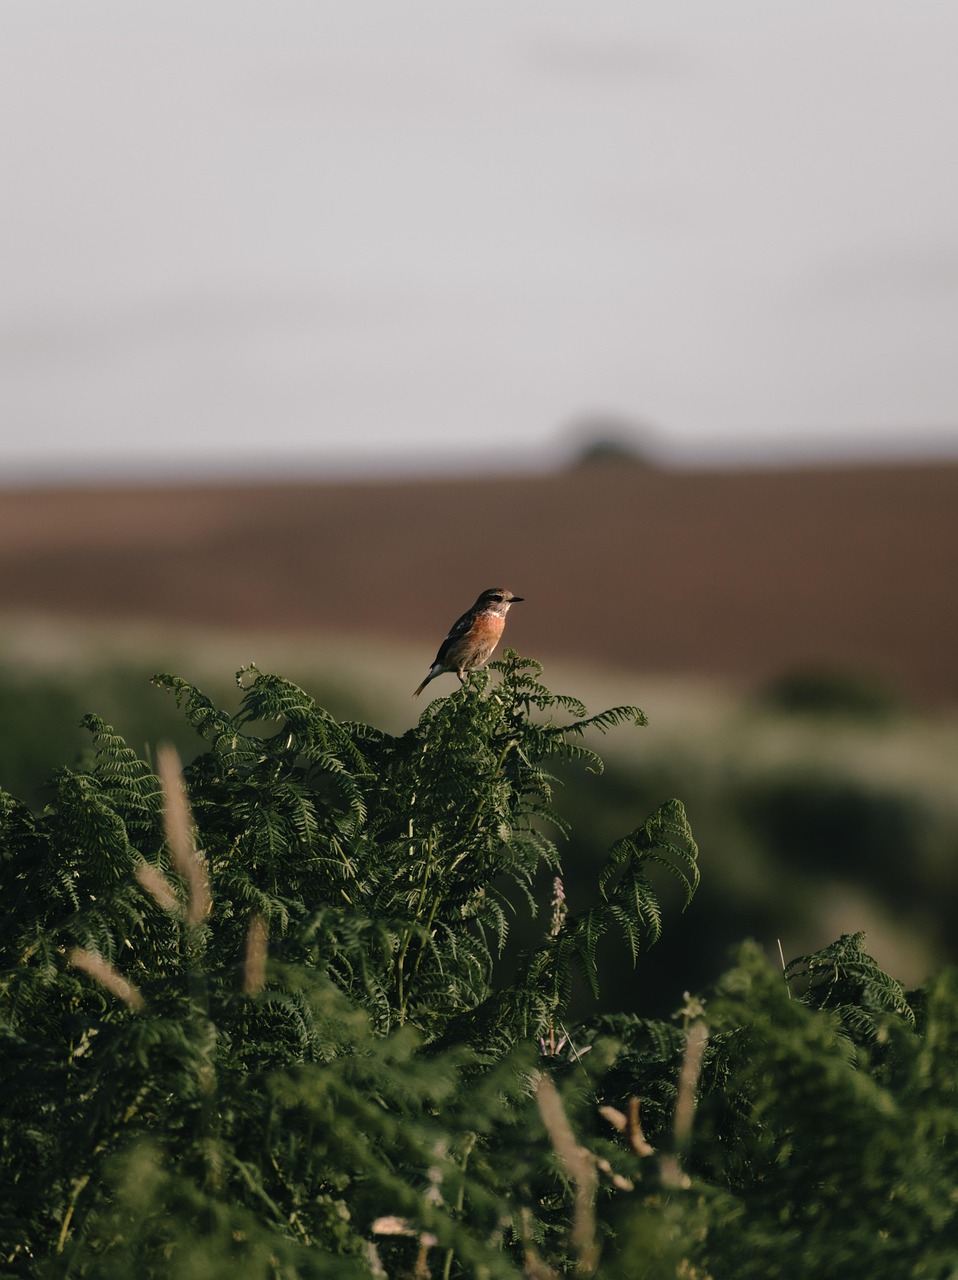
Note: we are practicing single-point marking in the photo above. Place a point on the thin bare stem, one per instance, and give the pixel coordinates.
(460, 1199)
(781, 955)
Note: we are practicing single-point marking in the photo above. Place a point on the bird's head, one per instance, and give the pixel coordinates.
(497, 600)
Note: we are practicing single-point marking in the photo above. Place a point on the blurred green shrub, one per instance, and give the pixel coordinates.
(40, 718)
(832, 691)
(792, 834)
(40, 722)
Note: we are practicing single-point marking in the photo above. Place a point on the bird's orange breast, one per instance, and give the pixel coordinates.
(474, 646)
(488, 626)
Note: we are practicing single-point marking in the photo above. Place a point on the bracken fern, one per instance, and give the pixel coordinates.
(255, 1023)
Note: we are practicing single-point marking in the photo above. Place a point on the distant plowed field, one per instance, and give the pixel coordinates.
(742, 575)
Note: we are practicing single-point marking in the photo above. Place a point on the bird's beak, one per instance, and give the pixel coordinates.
(516, 599)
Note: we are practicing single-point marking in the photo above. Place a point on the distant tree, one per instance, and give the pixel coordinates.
(603, 439)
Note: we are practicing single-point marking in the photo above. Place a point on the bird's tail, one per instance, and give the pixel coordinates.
(434, 670)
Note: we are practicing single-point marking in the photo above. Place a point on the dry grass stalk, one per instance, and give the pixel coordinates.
(158, 887)
(671, 1172)
(631, 1126)
(179, 830)
(781, 954)
(691, 1069)
(394, 1226)
(254, 969)
(533, 1266)
(391, 1225)
(374, 1262)
(422, 1257)
(108, 977)
(688, 1082)
(579, 1164)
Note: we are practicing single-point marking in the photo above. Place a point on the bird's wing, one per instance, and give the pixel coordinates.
(456, 631)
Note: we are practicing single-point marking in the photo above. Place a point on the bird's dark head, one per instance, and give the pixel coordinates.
(497, 599)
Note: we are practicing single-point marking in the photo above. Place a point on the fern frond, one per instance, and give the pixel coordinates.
(200, 712)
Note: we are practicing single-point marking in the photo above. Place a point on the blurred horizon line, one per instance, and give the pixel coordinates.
(573, 447)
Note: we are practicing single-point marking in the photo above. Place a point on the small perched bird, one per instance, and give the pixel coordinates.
(473, 638)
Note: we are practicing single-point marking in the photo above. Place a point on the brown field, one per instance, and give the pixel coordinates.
(735, 575)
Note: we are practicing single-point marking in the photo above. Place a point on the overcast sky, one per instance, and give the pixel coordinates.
(304, 233)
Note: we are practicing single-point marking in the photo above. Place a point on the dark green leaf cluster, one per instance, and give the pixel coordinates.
(255, 1023)
(825, 1138)
(179, 1103)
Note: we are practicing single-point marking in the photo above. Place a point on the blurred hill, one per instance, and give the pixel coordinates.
(735, 575)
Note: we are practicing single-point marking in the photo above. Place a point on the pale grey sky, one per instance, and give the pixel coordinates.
(304, 233)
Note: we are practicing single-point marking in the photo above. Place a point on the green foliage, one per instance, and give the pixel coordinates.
(269, 1033)
(171, 1104)
(824, 1137)
(789, 804)
(835, 1116)
(801, 823)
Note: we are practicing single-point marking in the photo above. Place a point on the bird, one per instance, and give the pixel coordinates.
(473, 637)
